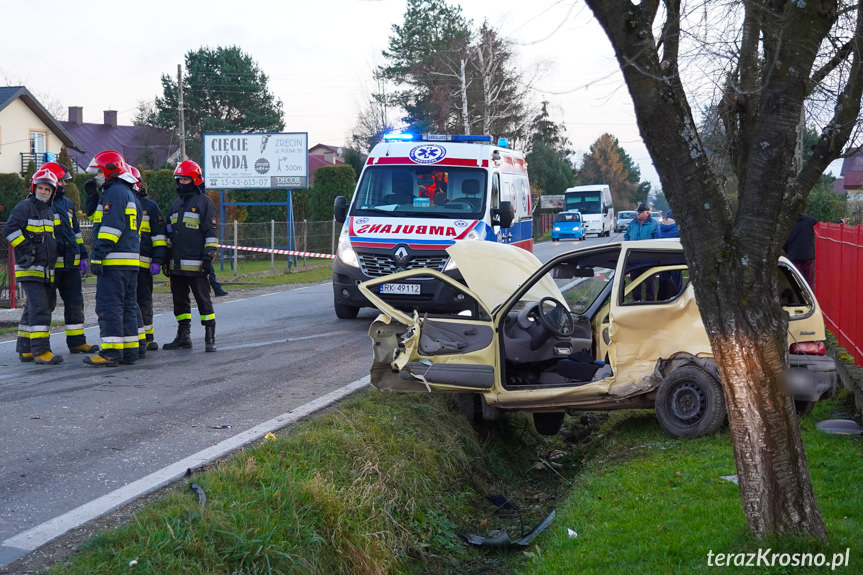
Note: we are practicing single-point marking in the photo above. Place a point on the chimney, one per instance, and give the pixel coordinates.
(111, 118)
(76, 115)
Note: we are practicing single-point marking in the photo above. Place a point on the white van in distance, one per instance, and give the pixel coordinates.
(416, 196)
(596, 207)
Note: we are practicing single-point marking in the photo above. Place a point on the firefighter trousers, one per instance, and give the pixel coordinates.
(145, 301)
(200, 288)
(117, 308)
(34, 329)
(68, 283)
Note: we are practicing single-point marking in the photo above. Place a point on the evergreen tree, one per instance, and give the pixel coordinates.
(548, 159)
(223, 91)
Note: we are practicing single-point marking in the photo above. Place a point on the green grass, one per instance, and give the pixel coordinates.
(383, 484)
(649, 504)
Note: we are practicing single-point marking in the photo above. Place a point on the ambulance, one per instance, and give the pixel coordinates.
(416, 196)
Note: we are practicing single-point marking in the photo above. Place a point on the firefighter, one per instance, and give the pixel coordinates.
(153, 245)
(115, 260)
(71, 264)
(192, 244)
(30, 231)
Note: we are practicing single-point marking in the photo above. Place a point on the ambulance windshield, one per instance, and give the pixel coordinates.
(421, 191)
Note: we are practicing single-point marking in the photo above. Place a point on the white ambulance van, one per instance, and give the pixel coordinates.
(417, 195)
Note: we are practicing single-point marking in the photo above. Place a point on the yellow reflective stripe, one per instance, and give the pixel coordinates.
(74, 332)
(39, 334)
(39, 229)
(29, 274)
(183, 316)
(145, 227)
(17, 240)
(208, 317)
(79, 240)
(111, 345)
(119, 262)
(130, 344)
(108, 236)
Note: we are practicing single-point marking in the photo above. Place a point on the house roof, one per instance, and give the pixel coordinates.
(9, 94)
(318, 161)
(143, 146)
(852, 171)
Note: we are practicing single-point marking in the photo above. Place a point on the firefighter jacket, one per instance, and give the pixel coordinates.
(30, 231)
(116, 220)
(154, 240)
(70, 243)
(193, 234)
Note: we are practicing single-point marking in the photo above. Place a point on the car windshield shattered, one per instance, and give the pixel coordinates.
(421, 191)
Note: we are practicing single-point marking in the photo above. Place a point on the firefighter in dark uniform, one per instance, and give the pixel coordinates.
(153, 245)
(114, 260)
(192, 243)
(30, 232)
(71, 264)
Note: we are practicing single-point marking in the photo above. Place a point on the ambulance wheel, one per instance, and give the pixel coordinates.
(690, 403)
(345, 311)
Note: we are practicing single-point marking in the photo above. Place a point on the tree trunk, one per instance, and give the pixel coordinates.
(464, 108)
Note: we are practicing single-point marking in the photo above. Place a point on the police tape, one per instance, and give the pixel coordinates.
(280, 252)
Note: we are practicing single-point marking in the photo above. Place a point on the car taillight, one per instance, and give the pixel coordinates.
(808, 348)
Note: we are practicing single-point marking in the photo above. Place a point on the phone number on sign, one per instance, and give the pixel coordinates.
(263, 182)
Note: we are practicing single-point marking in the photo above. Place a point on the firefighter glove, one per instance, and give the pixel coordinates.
(27, 258)
(96, 268)
(83, 267)
(208, 267)
(155, 268)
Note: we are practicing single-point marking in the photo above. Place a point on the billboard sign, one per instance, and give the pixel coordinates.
(551, 202)
(264, 161)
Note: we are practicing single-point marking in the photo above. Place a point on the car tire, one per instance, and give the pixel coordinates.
(803, 408)
(690, 403)
(345, 311)
(548, 423)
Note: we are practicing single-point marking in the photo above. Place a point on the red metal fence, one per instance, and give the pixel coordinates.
(839, 277)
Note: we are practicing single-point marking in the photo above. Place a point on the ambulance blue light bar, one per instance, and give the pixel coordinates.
(399, 137)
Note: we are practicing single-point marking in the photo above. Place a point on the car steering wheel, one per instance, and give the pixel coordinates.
(555, 317)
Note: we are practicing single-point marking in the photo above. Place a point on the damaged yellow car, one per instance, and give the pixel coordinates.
(613, 326)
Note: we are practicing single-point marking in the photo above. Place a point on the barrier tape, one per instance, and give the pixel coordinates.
(282, 252)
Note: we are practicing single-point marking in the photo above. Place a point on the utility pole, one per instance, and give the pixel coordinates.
(180, 105)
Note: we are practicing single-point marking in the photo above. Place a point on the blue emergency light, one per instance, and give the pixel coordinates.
(398, 137)
(503, 142)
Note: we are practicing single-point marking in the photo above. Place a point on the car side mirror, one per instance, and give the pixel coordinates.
(504, 215)
(340, 209)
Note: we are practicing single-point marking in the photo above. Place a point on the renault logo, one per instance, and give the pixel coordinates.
(401, 255)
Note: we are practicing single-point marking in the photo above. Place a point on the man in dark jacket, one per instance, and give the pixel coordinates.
(30, 232)
(71, 264)
(800, 246)
(115, 260)
(642, 227)
(193, 238)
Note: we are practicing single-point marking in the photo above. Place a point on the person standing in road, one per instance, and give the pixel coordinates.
(668, 228)
(71, 264)
(154, 242)
(800, 246)
(192, 244)
(642, 227)
(30, 232)
(115, 260)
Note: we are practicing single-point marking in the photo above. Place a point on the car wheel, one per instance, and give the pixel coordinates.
(690, 403)
(548, 423)
(803, 408)
(344, 311)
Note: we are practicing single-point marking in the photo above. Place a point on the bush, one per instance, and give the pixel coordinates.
(330, 181)
(13, 189)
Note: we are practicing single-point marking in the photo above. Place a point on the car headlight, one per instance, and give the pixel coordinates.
(345, 252)
(557, 228)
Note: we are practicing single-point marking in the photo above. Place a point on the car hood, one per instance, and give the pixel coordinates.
(494, 271)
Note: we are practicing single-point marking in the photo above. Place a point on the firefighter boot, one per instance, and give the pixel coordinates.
(210, 337)
(100, 361)
(25, 357)
(184, 337)
(47, 358)
(152, 345)
(84, 348)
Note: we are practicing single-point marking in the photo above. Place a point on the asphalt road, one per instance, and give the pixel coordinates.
(72, 433)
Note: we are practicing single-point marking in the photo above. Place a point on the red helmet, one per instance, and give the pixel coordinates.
(61, 171)
(111, 164)
(137, 173)
(190, 169)
(43, 176)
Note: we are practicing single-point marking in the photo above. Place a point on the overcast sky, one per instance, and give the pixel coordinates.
(319, 57)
